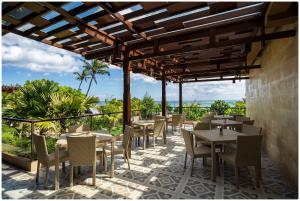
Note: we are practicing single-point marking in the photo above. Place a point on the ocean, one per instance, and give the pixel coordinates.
(203, 103)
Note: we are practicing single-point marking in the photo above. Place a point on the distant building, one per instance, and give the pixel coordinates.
(10, 89)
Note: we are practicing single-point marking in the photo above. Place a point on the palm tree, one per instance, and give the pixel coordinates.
(81, 76)
(94, 68)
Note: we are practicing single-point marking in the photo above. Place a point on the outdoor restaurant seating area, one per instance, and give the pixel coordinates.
(76, 148)
(180, 168)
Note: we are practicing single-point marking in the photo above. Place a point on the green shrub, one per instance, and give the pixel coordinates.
(219, 106)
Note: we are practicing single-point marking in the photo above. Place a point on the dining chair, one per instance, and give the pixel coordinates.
(193, 152)
(100, 150)
(242, 118)
(248, 153)
(122, 149)
(251, 130)
(47, 160)
(82, 151)
(201, 126)
(176, 121)
(158, 129)
(249, 122)
(78, 128)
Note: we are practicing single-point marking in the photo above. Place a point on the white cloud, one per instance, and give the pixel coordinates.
(145, 78)
(114, 67)
(25, 53)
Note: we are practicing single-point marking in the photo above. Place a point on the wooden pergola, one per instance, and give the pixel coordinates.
(179, 42)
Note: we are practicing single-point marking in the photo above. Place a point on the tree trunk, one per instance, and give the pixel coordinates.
(92, 78)
(80, 84)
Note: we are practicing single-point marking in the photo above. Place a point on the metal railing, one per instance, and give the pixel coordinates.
(192, 113)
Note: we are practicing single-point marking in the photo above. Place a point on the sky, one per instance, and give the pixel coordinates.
(25, 59)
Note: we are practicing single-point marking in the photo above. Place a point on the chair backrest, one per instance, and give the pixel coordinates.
(82, 150)
(188, 140)
(78, 128)
(159, 126)
(128, 132)
(158, 117)
(40, 145)
(249, 122)
(242, 118)
(251, 130)
(176, 119)
(202, 126)
(135, 118)
(248, 150)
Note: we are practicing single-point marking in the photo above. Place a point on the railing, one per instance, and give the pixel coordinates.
(192, 113)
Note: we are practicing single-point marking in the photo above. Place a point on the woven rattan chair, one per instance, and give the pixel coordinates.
(124, 147)
(176, 121)
(248, 153)
(242, 118)
(193, 152)
(158, 129)
(44, 158)
(82, 151)
(100, 150)
(251, 130)
(78, 128)
(201, 126)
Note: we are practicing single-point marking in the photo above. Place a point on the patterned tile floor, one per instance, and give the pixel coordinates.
(155, 174)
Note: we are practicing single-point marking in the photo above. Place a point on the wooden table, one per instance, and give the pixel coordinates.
(225, 122)
(223, 117)
(145, 124)
(100, 137)
(214, 137)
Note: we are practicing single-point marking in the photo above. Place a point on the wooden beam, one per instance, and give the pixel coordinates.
(215, 70)
(239, 41)
(129, 25)
(217, 79)
(86, 27)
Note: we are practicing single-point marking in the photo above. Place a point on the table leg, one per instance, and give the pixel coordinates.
(214, 162)
(56, 168)
(112, 171)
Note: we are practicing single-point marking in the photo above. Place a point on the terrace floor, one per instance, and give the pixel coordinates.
(155, 174)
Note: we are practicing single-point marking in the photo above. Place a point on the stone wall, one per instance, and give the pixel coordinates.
(272, 101)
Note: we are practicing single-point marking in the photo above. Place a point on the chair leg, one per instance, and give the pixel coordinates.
(237, 177)
(37, 173)
(64, 167)
(127, 156)
(46, 178)
(94, 173)
(203, 159)
(71, 175)
(192, 167)
(257, 175)
(154, 141)
(185, 160)
(101, 162)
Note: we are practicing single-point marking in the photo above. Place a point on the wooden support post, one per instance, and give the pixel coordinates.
(163, 94)
(180, 97)
(126, 93)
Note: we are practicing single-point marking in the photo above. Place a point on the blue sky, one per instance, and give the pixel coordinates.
(24, 59)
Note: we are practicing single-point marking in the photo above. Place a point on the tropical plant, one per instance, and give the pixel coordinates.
(94, 68)
(81, 76)
(219, 106)
(148, 106)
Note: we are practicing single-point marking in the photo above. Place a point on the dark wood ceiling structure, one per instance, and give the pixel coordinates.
(181, 41)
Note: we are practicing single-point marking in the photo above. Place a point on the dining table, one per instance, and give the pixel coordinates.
(101, 137)
(215, 137)
(145, 124)
(223, 117)
(224, 123)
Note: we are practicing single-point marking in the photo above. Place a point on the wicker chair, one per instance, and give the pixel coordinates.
(44, 158)
(194, 152)
(251, 130)
(100, 150)
(242, 118)
(176, 121)
(82, 151)
(158, 129)
(248, 153)
(124, 147)
(201, 126)
(78, 128)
